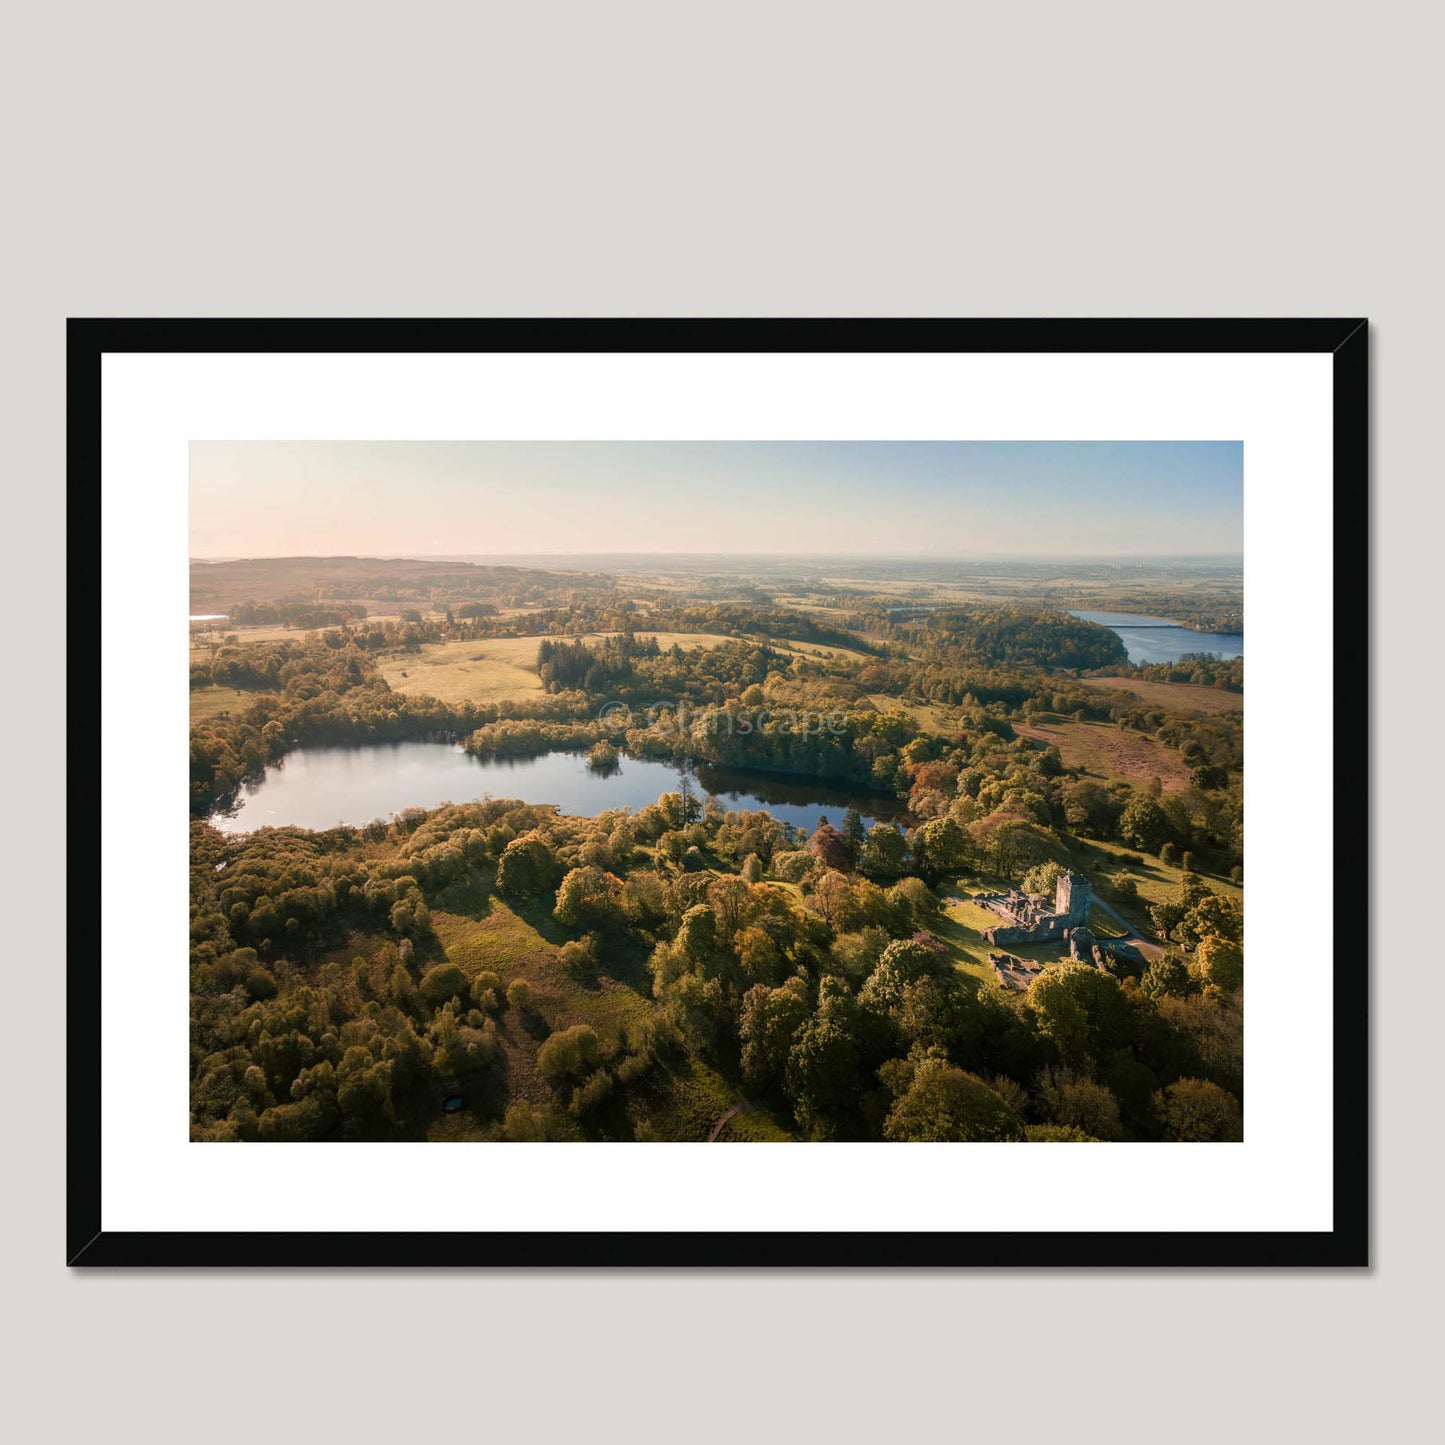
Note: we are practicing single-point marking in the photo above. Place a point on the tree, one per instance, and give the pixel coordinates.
(525, 1123)
(1082, 1104)
(791, 866)
(691, 809)
(363, 1095)
(1043, 878)
(1167, 977)
(855, 955)
(445, 981)
(854, 833)
(589, 898)
(944, 1104)
(770, 1019)
(885, 854)
(1143, 824)
(460, 1048)
(939, 1015)
(528, 868)
(1221, 962)
(602, 757)
(730, 898)
(903, 962)
(1057, 1134)
(940, 847)
(1088, 808)
(1217, 915)
(568, 1053)
(697, 938)
(915, 903)
(823, 1077)
(1195, 1111)
(577, 955)
(1080, 1010)
(832, 896)
(830, 848)
(519, 994)
(759, 956)
(1166, 917)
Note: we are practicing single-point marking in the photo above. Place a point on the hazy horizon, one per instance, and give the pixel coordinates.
(1121, 559)
(960, 502)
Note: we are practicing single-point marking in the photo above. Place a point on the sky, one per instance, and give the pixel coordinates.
(887, 498)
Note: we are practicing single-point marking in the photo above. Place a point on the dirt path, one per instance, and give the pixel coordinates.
(1132, 936)
(726, 1120)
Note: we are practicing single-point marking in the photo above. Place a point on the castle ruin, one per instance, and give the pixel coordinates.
(1034, 917)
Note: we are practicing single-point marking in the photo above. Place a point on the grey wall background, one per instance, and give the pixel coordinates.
(636, 159)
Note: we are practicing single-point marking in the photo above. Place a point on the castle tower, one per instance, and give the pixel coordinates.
(1072, 897)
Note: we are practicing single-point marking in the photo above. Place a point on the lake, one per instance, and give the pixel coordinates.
(1157, 639)
(323, 787)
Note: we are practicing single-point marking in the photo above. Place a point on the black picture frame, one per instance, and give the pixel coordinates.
(1346, 1244)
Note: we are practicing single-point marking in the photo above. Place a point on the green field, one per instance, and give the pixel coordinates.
(504, 669)
(932, 717)
(1176, 696)
(753, 1126)
(1158, 882)
(1104, 750)
(499, 669)
(213, 700)
(961, 928)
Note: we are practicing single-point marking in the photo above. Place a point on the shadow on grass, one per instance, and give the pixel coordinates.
(469, 897)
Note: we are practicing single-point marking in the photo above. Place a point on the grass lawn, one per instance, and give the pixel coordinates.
(1177, 696)
(716, 639)
(1158, 882)
(795, 889)
(479, 931)
(1102, 925)
(204, 643)
(212, 701)
(961, 928)
(754, 1126)
(1106, 751)
(932, 717)
(680, 1104)
(504, 669)
(500, 669)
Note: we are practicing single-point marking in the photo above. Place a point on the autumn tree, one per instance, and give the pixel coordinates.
(1197, 1111)
(528, 868)
(444, 981)
(1080, 1103)
(944, 1104)
(589, 898)
(769, 1022)
(569, 1052)
(830, 848)
(1221, 963)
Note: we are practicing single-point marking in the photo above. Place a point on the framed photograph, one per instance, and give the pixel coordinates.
(712, 792)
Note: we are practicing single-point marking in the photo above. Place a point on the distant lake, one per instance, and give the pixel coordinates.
(1157, 639)
(323, 787)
